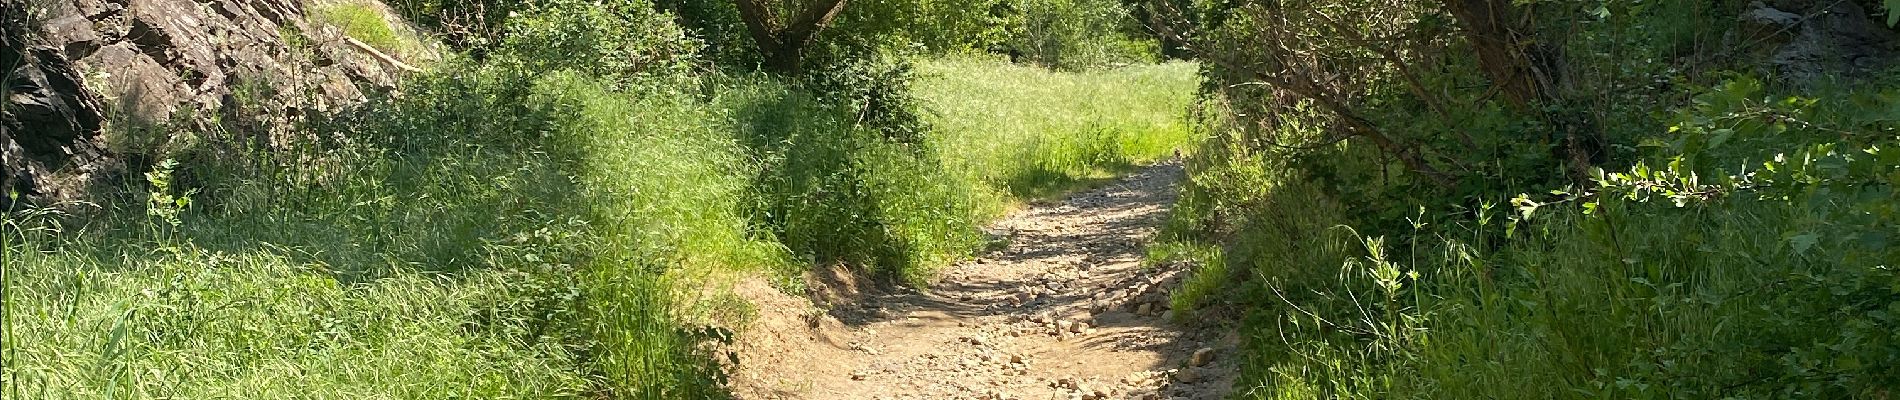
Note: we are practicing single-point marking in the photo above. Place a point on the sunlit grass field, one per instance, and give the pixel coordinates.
(1025, 132)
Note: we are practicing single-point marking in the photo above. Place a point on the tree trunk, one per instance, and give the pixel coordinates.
(783, 43)
(784, 60)
(1530, 73)
(1521, 68)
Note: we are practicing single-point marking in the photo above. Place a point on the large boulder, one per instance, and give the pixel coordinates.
(129, 73)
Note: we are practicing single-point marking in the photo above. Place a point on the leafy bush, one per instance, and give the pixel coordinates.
(1750, 261)
(1368, 195)
(1076, 34)
(471, 26)
(833, 190)
(621, 39)
(1063, 34)
(935, 27)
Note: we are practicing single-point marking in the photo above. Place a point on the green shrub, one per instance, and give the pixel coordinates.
(1077, 34)
(470, 26)
(835, 191)
(616, 40)
(1692, 278)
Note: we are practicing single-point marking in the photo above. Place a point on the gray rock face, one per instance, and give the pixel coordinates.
(78, 71)
(50, 123)
(1803, 41)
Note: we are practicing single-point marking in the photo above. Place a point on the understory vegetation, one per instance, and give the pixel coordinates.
(1434, 199)
(540, 216)
(1653, 213)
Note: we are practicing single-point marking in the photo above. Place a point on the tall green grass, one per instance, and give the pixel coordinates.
(363, 22)
(477, 238)
(1022, 132)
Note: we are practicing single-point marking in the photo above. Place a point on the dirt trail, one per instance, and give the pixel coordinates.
(1065, 310)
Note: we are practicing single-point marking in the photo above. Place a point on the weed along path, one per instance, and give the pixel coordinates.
(1065, 310)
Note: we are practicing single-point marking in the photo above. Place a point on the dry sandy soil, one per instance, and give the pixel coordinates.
(1066, 310)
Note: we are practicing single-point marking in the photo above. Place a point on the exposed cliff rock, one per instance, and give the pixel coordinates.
(1802, 41)
(91, 80)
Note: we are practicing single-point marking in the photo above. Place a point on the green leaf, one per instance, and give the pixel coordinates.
(1721, 136)
(1893, 12)
(1803, 242)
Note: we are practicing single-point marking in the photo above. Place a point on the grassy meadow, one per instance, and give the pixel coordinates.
(1024, 132)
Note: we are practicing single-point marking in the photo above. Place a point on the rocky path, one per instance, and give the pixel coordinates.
(1066, 310)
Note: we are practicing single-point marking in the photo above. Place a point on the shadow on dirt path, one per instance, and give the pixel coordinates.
(1066, 310)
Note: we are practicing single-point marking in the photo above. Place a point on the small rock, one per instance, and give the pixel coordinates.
(1079, 327)
(1189, 375)
(1201, 357)
(975, 340)
(1144, 309)
(1064, 325)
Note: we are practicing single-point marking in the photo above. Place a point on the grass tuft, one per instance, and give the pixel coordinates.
(364, 22)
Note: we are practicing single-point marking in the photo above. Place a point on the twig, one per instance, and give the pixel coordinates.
(380, 55)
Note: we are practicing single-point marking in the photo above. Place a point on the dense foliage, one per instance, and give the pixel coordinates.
(1395, 198)
(1665, 224)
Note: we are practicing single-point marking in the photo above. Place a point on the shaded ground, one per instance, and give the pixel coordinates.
(1065, 310)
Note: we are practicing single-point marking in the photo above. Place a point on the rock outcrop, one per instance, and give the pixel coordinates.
(1802, 41)
(91, 80)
